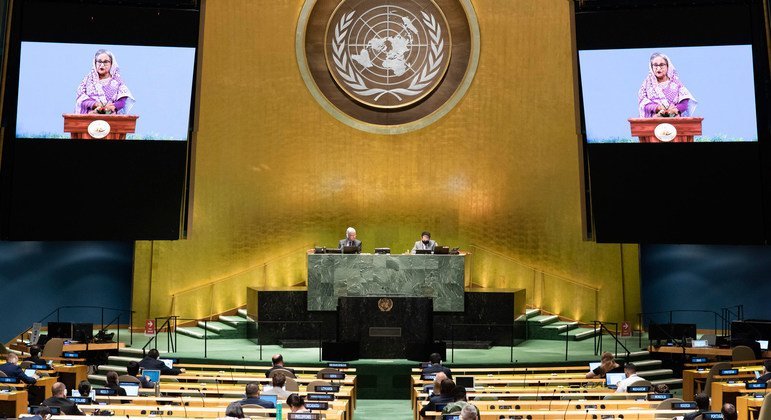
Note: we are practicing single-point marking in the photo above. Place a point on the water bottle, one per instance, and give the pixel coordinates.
(278, 410)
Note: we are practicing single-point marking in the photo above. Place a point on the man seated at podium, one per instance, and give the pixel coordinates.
(103, 91)
(425, 243)
(662, 94)
(350, 240)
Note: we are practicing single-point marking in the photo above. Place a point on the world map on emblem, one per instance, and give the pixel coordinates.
(388, 55)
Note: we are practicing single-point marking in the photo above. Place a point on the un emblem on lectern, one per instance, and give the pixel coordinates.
(385, 304)
(388, 55)
(387, 66)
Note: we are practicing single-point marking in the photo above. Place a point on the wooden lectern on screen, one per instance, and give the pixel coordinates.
(99, 126)
(666, 130)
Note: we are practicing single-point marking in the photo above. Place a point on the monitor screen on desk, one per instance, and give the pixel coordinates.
(132, 388)
(59, 330)
(612, 379)
(350, 250)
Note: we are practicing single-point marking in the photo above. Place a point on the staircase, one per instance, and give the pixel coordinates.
(226, 326)
(550, 327)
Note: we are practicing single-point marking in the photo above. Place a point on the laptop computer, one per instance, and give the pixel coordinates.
(30, 372)
(168, 362)
(350, 250)
(594, 365)
(612, 379)
(763, 344)
(132, 388)
(271, 398)
(465, 381)
(153, 375)
(441, 250)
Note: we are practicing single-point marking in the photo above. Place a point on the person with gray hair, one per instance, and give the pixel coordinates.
(469, 412)
(350, 240)
(12, 370)
(234, 411)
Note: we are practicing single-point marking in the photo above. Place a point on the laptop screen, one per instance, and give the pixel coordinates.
(29, 372)
(465, 381)
(168, 362)
(132, 389)
(612, 379)
(153, 375)
(699, 343)
(271, 398)
(594, 365)
(763, 344)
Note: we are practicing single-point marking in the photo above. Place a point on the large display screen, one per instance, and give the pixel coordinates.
(714, 83)
(674, 123)
(98, 119)
(153, 83)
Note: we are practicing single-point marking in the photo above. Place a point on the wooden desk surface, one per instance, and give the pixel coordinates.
(185, 412)
(77, 347)
(690, 376)
(262, 369)
(698, 351)
(746, 402)
(499, 370)
(721, 389)
(16, 401)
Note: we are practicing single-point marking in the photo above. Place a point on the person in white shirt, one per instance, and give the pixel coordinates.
(631, 377)
(277, 387)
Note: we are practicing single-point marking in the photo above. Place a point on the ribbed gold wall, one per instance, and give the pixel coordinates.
(274, 173)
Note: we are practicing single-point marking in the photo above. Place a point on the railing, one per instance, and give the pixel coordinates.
(103, 327)
(598, 342)
(717, 319)
(728, 314)
(170, 325)
(292, 261)
(543, 288)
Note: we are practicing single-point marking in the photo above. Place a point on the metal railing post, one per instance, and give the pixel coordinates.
(205, 339)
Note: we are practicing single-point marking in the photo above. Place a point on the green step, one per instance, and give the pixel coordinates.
(543, 319)
(223, 330)
(578, 334)
(197, 332)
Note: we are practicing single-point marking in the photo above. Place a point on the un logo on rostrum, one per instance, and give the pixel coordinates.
(388, 55)
(387, 66)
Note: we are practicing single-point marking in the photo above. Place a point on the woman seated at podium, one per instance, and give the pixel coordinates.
(102, 90)
(662, 94)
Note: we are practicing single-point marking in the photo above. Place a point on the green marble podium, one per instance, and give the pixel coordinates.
(437, 276)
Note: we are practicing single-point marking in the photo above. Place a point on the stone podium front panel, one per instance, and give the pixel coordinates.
(440, 277)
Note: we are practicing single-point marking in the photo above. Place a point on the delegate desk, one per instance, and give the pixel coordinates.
(692, 377)
(724, 392)
(698, 351)
(441, 277)
(747, 403)
(128, 410)
(13, 404)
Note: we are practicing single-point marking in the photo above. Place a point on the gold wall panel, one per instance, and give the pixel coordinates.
(275, 174)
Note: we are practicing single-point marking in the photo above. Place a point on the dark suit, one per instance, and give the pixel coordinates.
(36, 361)
(258, 401)
(764, 378)
(15, 371)
(346, 242)
(269, 371)
(155, 364)
(68, 407)
(692, 416)
(436, 369)
(433, 401)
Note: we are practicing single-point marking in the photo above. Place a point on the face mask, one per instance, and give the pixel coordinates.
(425, 242)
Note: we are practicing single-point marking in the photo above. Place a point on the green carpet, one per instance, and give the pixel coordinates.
(383, 409)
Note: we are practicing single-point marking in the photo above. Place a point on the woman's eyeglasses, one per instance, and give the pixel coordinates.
(654, 65)
(103, 62)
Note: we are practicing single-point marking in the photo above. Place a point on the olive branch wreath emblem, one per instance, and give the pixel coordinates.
(356, 82)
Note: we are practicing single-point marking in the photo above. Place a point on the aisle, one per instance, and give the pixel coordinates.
(382, 410)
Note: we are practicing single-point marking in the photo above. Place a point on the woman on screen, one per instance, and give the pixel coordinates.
(102, 91)
(662, 94)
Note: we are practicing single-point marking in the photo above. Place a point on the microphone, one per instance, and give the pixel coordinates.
(243, 362)
(182, 401)
(567, 406)
(203, 401)
(551, 400)
(231, 374)
(217, 385)
(537, 389)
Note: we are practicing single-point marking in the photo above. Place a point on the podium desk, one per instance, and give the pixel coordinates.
(666, 129)
(13, 404)
(115, 125)
(71, 375)
(440, 277)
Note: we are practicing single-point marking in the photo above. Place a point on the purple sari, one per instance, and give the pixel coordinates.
(669, 93)
(93, 90)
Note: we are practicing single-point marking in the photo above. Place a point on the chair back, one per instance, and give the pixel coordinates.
(765, 409)
(667, 404)
(642, 382)
(286, 373)
(5, 387)
(3, 349)
(326, 370)
(291, 385)
(25, 364)
(714, 370)
(741, 353)
(54, 348)
(129, 378)
(311, 387)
